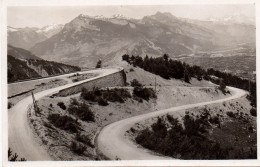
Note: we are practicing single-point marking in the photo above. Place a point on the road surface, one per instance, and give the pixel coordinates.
(20, 137)
(114, 145)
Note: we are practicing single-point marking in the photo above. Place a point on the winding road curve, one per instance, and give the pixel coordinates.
(20, 137)
(111, 141)
(114, 145)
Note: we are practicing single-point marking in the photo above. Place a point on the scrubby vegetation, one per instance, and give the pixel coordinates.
(168, 68)
(77, 148)
(62, 105)
(81, 111)
(84, 139)
(9, 105)
(135, 83)
(14, 157)
(102, 96)
(99, 64)
(64, 122)
(141, 92)
(190, 140)
(144, 93)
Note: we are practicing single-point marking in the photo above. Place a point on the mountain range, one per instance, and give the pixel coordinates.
(86, 39)
(27, 37)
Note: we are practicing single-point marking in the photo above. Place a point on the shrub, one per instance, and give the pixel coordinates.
(136, 83)
(253, 112)
(62, 105)
(126, 57)
(99, 63)
(231, 114)
(64, 122)
(144, 93)
(88, 95)
(102, 102)
(214, 120)
(84, 139)
(77, 148)
(74, 101)
(131, 70)
(102, 96)
(97, 91)
(116, 95)
(82, 111)
(10, 105)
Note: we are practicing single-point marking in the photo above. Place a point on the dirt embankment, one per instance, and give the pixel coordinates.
(58, 141)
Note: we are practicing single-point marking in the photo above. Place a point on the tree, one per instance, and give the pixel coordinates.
(99, 63)
(187, 76)
(222, 87)
(166, 57)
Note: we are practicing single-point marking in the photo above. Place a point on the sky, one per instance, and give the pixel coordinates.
(39, 16)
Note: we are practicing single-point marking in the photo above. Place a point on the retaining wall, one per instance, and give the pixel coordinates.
(112, 80)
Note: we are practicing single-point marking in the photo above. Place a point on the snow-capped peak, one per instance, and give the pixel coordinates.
(119, 16)
(99, 17)
(11, 29)
(50, 27)
(235, 18)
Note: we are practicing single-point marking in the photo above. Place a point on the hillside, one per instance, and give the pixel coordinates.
(27, 37)
(87, 39)
(20, 53)
(23, 65)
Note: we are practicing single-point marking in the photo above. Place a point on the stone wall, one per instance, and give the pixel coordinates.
(112, 80)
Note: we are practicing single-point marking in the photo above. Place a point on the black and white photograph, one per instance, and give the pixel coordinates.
(107, 83)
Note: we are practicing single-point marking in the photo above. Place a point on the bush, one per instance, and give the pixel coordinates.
(144, 93)
(82, 111)
(84, 139)
(102, 96)
(62, 105)
(64, 122)
(10, 105)
(231, 114)
(116, 95)
(214, 120)
(99, 63)
(77, 148)
(102, 102)
(88, 95)
(74, 101)
(253, 112)
(136, 83)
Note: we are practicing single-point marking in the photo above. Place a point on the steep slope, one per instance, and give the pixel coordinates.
(87, 39)
(20, 53)
(24, 37)
(50, 30)
(22, 65)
